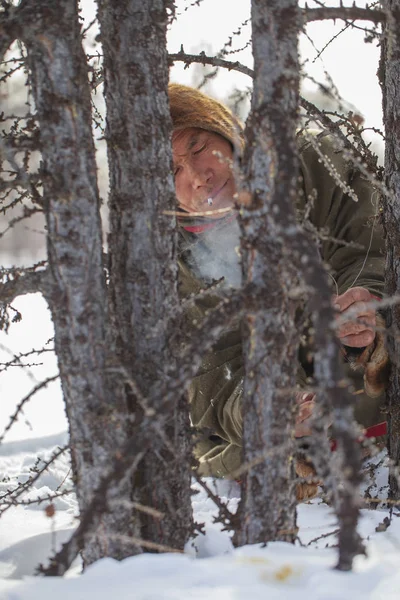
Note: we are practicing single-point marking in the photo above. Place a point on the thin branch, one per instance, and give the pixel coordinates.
(146, 544)
(217, 320)
(346, 13)
(16, 360)
(27, 282)
(39, 500)
(334, 128)
(27, 214)
(25, 399)
(203, 59)
(13, 495)
(62, 560)
(323, 536)
(310, 108)
(224, 514)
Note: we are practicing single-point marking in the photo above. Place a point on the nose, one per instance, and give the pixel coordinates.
(200, 175)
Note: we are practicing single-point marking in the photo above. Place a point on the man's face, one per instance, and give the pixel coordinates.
(202, 171)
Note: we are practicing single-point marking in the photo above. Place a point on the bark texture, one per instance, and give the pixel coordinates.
(282, 264)
(143, 270)
(390, 82)
(76, 289)
(267, 510)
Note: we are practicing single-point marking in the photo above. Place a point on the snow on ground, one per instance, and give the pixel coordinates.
(211, 568)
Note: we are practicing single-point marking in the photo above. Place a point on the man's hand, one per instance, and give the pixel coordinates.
(359, 330)
(305, 490)
(306, 403)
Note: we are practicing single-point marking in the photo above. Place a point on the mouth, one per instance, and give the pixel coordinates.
(211, 197)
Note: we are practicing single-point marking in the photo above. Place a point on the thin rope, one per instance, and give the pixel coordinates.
(367, 254)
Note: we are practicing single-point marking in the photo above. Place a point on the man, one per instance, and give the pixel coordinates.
(206, 138)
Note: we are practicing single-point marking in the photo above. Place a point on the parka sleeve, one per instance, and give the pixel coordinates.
(352, 245)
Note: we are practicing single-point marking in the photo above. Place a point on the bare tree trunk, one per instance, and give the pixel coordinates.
(143, 269)
(279, 260)
(77, 290)
(332, 401)
(390, 83)
(268, 508)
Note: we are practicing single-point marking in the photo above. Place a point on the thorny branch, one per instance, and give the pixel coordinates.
(10, 498)
(24, 400)
(90, 520)
(19, 283)
(345, 13)
(224, 514)
(203, 59)
(26, 214)
(334, 127)
(16, 360)
(212, 327)
(39, 500)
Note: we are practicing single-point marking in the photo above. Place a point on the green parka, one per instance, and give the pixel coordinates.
(215, 393)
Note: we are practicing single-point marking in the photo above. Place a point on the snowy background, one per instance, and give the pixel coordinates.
(210, 568)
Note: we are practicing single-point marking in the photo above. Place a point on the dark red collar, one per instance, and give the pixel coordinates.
(206, 225)
(371, 432)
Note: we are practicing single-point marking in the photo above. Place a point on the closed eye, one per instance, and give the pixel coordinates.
(200, 149)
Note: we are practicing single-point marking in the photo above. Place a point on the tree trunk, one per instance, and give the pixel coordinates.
(390, 82)
(268, 509)
(143, 267)
(281, 264)
(77, 295)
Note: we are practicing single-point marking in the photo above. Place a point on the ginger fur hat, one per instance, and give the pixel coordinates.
(191, 108)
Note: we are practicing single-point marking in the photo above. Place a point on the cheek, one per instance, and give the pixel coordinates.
(221, 166)
(181, 190)
(179, 194)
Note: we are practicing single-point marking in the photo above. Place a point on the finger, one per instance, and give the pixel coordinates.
(359, 340)
(305, 411)
(356, 294)
(304, 397)
(303, 419)
(355, 327)
(302, 429)
(358, 310)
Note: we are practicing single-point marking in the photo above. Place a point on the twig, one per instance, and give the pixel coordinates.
(16, 360)
(346, 13)
(21, 404)
(203, 59)
(23, 487)
(224, 514)
(25, 282)
(323, 536)
(47, 498)
(146, 544)
(310, 108)
(62, 560)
